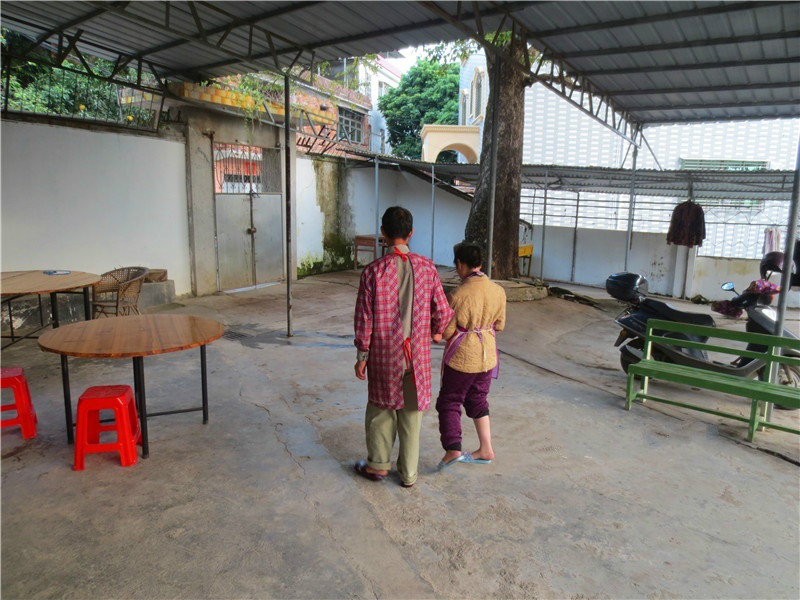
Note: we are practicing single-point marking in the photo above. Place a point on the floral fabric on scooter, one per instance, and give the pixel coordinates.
(762, 287)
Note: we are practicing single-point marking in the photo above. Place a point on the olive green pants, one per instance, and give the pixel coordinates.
(384, 425)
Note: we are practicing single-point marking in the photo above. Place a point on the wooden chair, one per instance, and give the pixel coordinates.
(366, 243)
(526, 252)
(118, 292)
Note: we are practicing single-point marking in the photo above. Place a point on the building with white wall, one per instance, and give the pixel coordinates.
(376, 83)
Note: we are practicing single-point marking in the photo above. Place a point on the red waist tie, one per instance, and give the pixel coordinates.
(407, 351)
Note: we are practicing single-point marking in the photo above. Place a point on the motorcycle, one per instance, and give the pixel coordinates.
(755, 301)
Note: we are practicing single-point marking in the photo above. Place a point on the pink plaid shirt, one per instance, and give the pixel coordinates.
(379, 328)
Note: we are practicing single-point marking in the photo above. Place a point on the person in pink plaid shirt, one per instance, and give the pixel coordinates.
(401, 306)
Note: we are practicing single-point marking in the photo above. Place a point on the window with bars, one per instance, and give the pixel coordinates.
(241, 169)
(351, 126)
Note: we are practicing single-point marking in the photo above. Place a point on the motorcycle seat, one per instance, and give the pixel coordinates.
(679, 316)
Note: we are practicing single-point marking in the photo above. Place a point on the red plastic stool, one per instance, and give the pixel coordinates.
(14, 378)
(118, 398)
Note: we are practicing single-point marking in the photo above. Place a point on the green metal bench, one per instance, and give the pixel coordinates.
(759, 391)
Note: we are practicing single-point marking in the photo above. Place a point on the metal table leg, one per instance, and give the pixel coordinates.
(87, 303)
(141, 401)
(11, 320)
(54, 308)
(203, 375)
(67, 398)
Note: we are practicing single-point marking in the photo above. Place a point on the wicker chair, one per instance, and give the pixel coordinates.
(117, 293)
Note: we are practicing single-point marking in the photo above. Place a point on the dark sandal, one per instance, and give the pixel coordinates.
(361, 468)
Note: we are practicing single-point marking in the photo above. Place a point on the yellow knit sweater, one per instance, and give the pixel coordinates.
(479, 303)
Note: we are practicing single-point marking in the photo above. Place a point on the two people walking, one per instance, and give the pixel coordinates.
(401, 307)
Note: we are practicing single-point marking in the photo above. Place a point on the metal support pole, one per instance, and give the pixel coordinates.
(788, 254)
(377, 210)
(544, 227)
(575, 235)
(204, 382)
(288, 175)
(433, 208)
(493, 162)
(631, 208)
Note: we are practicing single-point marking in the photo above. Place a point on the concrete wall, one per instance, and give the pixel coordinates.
(92, 201)
(201, 126)
(711, 272)
(599, 253)
(400, 188)
(310, 217)
(319, 217)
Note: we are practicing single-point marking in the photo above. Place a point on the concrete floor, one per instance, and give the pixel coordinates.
(584, 499)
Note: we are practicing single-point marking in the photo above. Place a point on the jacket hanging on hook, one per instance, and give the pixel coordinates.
(688, 224)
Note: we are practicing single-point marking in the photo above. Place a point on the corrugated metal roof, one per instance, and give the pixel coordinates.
(717, 185)
(679, 61)
(658, 61)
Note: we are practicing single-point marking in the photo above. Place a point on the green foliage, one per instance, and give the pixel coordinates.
(266, 87)
(460, 50)
(428, 93)
(40, 88)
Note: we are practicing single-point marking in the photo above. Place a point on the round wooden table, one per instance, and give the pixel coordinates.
(15, 284)
(133, 337)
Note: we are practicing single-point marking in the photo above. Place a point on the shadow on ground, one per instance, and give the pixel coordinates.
(584, 500)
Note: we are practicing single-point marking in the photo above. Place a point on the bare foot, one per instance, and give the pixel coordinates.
(376, 471)
(487, 454)
(451, 455)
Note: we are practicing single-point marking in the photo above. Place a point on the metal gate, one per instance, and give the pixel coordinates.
(247, 186)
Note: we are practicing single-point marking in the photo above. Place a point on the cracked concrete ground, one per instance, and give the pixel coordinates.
(584, 500)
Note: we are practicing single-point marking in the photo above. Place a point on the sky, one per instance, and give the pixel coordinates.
(411, 55)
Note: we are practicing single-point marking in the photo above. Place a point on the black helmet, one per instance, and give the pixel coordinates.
(772, 263)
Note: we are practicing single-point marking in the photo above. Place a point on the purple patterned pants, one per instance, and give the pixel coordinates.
(469, 389)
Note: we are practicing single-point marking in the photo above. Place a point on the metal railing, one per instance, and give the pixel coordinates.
(734, 229)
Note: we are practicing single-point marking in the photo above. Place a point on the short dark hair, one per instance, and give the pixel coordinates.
(397, 223)
(469, 254)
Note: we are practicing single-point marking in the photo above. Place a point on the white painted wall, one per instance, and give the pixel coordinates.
(601, 252)
(91, 201)
(399, 188)
(711, 272)
(310, 219)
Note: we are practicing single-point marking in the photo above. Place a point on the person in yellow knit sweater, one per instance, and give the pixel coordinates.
(470, 357)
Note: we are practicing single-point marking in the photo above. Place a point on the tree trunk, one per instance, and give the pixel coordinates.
(511, 122)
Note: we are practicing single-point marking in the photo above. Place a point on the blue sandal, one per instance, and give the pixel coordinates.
(468, 458)
(443, 465)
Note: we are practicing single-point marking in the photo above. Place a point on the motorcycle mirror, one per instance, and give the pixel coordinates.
(727, 286)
